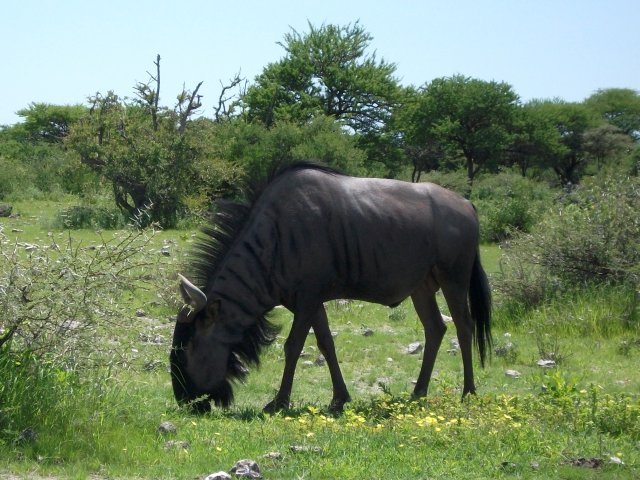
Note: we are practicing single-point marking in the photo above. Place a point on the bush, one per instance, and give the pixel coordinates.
(591, 238)
(508, 203)
(88, 216)
(453, 180)
(61, 322)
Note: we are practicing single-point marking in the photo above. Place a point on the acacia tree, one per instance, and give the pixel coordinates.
(144, 150)
(327, 71)
(467, 118)
(536, 139)
(49, 123)
(571, 121)
(618, 106)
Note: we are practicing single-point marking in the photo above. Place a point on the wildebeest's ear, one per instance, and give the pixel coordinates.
(192, 295)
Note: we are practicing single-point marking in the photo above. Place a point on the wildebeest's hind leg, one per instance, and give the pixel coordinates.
(292, 349)
(324, 339)
(456, 294)
(424, 301)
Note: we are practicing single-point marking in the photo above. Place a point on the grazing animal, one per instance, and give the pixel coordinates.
(311, 235)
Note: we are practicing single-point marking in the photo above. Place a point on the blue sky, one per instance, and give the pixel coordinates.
(65, 50)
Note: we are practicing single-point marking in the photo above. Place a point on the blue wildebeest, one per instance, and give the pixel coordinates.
(310, 235)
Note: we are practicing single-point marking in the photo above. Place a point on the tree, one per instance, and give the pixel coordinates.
(328, 71)
(536, 138)
(325, 71)
(605, 142)
(258, 149)
(146, 151)
(49, 123)
(467, 118)
(618, 106)
(571, 121)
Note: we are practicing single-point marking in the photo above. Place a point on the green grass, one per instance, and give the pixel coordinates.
(104, 424)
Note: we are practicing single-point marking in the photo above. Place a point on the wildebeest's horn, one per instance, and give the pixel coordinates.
(193, 296)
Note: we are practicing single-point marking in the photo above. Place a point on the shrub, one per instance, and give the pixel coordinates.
(453, 180)
(60, 318)
(508, 203)
(89, 216)
(591, 238)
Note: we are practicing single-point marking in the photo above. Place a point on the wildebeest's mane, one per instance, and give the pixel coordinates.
(228, 219)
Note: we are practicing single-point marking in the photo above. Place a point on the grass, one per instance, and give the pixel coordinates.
(104, 424)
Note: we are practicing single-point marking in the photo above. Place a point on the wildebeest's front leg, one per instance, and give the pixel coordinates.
(327, 348)
(292, 349)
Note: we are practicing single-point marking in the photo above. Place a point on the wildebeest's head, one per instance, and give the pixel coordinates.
(213, 343)
(200, 361)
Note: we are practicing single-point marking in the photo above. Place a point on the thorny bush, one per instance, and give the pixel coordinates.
(57, 299)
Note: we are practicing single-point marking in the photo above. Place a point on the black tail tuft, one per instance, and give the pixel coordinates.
(480, 305)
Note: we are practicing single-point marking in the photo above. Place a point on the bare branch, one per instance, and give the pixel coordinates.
(222, 110)
(193, 103)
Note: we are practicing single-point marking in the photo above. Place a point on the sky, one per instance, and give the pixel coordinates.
(63, 51)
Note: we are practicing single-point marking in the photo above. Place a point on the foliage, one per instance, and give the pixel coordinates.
(325, 72)
(34, 169)
(453, 180)
(56, 297)
(592, 237)
(619, 107)
(605, 144)
(145, 151)
(571, 121)
(257, 149)
(49, 123)
(328, 72)
(89, 216)
(536, 138)
(465, 117)
(508, 203)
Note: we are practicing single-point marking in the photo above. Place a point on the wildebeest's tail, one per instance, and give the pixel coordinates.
(480, 305)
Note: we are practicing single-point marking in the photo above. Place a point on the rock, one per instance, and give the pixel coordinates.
(166, 251)
(27, 436)
(584, 462)
(306, 449)
(616, 461)
(141, 313)
(246, 469)
(512, 373)
(367, 332)
(446, 318)
(218, 476)
(167, 428)
(176, 444)
(308, 363)
(455, 344)
(151, 365)
(273, 456)
(503, 350)
(5, 210)
(320, 361)
(546, 363)
(413, 348)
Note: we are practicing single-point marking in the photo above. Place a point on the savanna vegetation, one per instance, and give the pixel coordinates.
(106, 197)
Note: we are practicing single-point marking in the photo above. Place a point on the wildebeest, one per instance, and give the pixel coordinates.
(310, 235)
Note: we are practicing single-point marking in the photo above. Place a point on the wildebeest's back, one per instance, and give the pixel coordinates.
(373, 239)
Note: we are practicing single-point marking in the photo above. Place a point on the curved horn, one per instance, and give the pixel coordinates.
(192, 296)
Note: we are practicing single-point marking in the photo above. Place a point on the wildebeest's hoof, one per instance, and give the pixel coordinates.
(337, 405)
(200, 406)
(275, 406)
